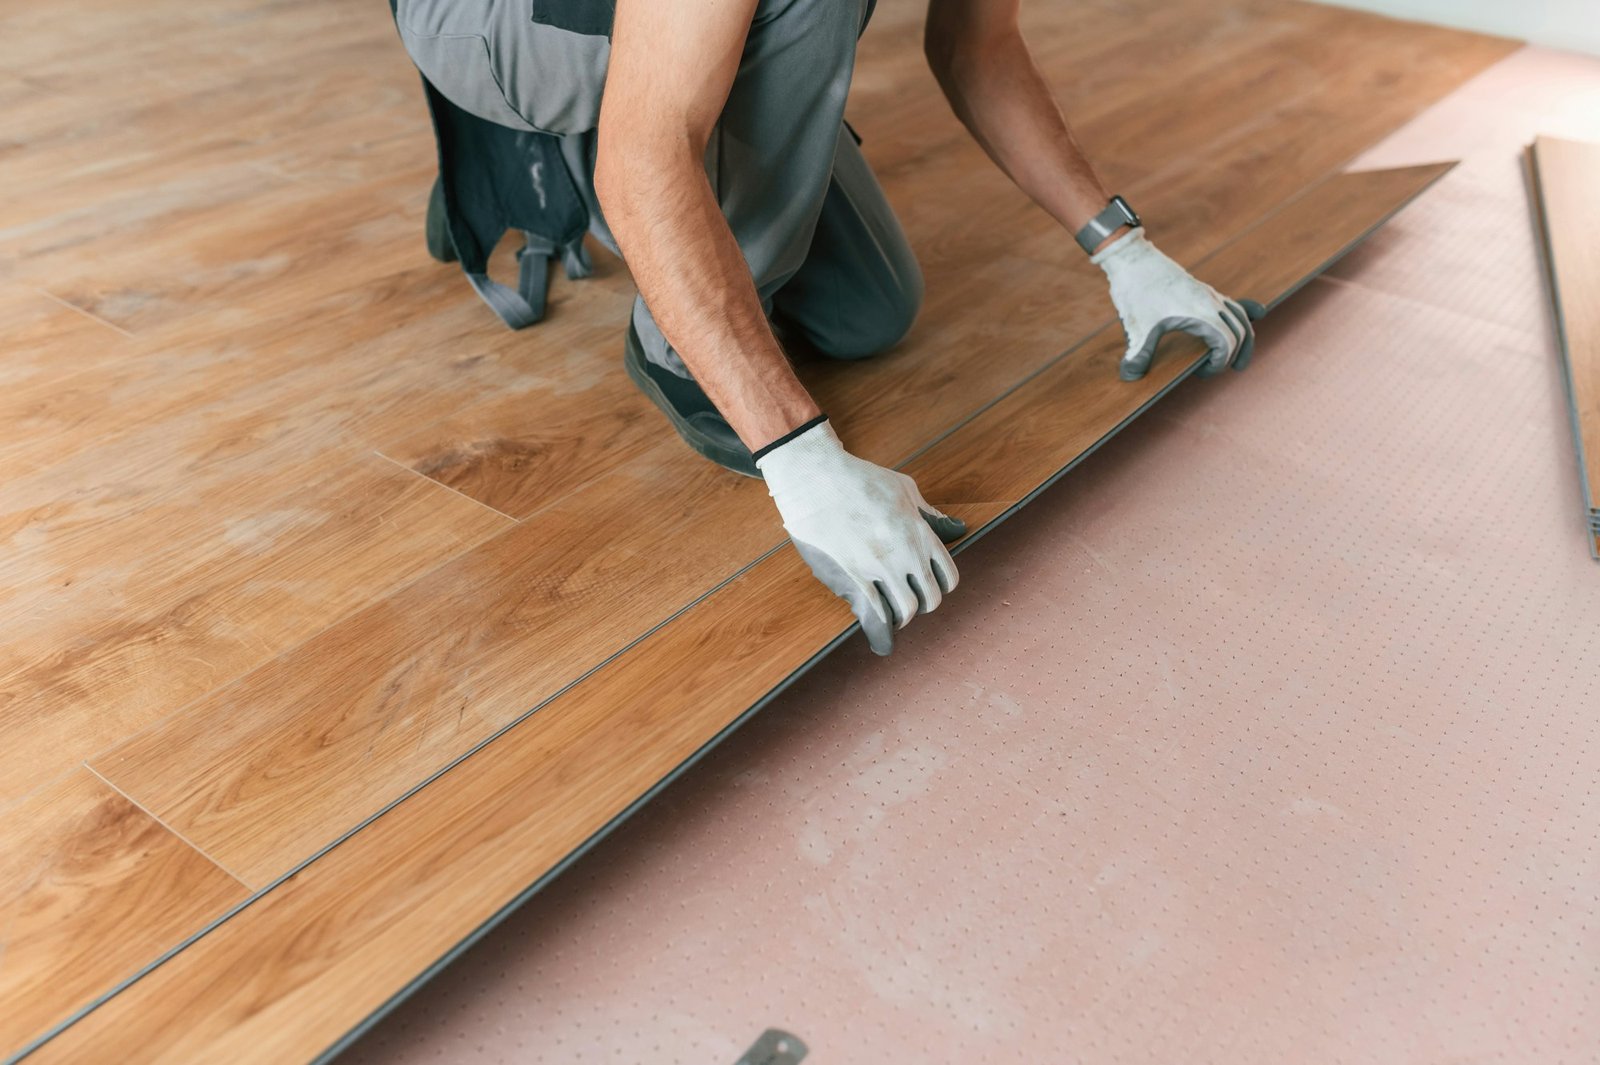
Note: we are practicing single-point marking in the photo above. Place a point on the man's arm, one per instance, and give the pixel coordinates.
(977, 53)
(672, 64)
(865, 531)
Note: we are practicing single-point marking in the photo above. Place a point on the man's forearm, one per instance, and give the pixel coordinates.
(998, 93)
(686, 263)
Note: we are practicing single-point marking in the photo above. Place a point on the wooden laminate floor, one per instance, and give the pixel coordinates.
(293, 525)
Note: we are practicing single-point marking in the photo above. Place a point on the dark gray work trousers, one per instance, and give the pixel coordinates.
(827, 254)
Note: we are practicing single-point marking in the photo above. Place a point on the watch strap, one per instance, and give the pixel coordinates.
(1117, 213)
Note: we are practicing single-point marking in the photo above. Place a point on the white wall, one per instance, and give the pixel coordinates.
(1570, 24)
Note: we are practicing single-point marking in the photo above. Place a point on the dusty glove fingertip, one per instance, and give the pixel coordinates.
(945, 527)
(879, 627)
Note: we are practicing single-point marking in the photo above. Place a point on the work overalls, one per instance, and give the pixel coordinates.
(827, 255)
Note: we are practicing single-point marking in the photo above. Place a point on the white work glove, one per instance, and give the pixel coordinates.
(865, 531)
(1154, 296)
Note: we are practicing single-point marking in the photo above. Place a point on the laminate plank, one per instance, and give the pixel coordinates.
(520, 449)
(1098, 58)
(47, 342)
(109, 649)
(305, 365)
(898, 400)
(1567, 189)
(245, 418)
(166, 54)
(890, 405)
(330, 945)
(980, 460)
(1343, 80)
(91, 889)
(80, 155)
(431, 872)
(261, 374)
(284, 773)
(152, 257)
(264, 771)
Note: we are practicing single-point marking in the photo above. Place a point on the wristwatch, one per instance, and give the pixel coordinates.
(1102, 225)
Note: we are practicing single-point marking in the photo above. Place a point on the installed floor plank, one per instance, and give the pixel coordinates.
(513, 450)
(1567, 179)
(981, 459)
(286, 323)
(54, 353)
(408, 888)
(91, 889)
(303, 989)
(264, 771)
(990, 255)
(107, 649)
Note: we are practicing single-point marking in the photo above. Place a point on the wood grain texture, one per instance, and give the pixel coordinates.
(91, 889)
(1567, 185)
(328, 928)
(114, 648)
(50, 378)
(396, 896)
(264, 771)
(514, 449)
(999, 251)
(215, 307)
(267, 770)
(1000, 453)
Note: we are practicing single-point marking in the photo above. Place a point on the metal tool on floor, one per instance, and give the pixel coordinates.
(775, 1047)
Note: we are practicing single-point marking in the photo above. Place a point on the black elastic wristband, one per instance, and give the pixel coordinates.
(755, 456)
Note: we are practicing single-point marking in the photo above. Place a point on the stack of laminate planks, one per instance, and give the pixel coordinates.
(1565, 183)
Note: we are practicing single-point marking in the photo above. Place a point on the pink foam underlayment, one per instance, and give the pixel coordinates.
(1269, 735)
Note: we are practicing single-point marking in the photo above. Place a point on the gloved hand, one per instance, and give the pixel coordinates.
(1154, 296)
(865, 531)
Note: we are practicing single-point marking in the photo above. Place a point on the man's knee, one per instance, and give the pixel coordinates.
(875, 329)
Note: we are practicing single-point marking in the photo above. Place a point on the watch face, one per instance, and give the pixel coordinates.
(1127, 211)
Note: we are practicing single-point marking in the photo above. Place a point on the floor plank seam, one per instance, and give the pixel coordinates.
(277, 838)
(259, 893)
(153, 725)
(448, 488)
(291, 648)
(179, 835)
(977, 534)
(731, 726)
(962, 423)
(69, 305)
(126, 982)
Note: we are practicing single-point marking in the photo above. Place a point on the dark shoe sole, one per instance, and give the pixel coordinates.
(687, 407)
